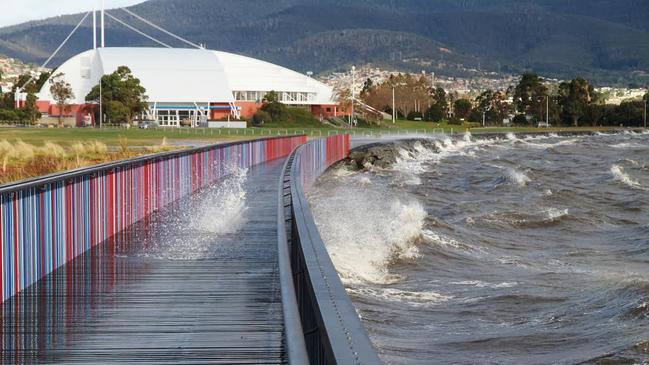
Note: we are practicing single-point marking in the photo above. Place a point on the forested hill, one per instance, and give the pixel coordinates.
(606, 41)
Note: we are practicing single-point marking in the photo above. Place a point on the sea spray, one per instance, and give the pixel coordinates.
(216, 211)
(506, 275)
(223, 209)
(512, 137)
(622, 176)
(365, 231)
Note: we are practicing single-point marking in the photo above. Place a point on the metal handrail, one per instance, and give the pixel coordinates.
(332, 329)
(71, 174)
(293, 333)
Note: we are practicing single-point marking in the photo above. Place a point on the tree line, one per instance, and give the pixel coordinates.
(122, 95)
(532, 100)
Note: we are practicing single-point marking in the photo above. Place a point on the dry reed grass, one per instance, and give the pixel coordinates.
(20, 160)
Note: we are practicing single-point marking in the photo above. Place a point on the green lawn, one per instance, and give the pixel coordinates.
(186, 136)
(111, 137)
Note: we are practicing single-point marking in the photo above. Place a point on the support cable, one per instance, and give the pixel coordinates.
(57, 50)
(161, 29)
(137, 31)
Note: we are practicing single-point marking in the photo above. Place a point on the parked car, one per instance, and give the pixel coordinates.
(544, 125)
(148, 124)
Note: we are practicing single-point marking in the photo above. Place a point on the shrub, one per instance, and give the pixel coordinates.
(455, 121)
(520, 119)
(415, 115)
(8, 116)
(277, 111)
(261, 117)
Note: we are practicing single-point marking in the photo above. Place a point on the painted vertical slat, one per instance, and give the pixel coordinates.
(42, 228)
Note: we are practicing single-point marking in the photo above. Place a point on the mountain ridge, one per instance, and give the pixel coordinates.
(608, 43)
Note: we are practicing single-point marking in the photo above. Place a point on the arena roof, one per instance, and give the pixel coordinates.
(181, 75)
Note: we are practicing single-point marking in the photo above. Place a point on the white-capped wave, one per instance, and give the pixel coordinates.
(364, 180)
(552, 145)
(518, 177)
(365, 232)
(622, 176)
(554, 214)
(438, 239)
(625, 145)
(482, 284)
(413, 298)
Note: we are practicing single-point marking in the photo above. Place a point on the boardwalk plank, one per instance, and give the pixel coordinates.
(130, 301)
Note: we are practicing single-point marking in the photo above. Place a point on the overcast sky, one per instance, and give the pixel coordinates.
(19, 11)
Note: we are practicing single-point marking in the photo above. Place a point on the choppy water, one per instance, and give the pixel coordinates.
(518, 250)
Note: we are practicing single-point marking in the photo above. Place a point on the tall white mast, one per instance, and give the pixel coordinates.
(103, 35)
(94, 25)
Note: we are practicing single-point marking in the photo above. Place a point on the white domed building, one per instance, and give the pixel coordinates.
(191, 84)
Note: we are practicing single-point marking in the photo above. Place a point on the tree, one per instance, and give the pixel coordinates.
(463, 108)
(62, 93)
(30, 109)
(575, 97)
(367, 87)
(529, 95)
(271, 97)
(492, 106)
(261, 117)
(122, 95)
(276, 110)
(411, 94)
(439, 107)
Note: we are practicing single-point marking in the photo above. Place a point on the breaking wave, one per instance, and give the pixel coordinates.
(517, 177)
(412, 298)
(365, 232)
(622, 176)
(507, 245)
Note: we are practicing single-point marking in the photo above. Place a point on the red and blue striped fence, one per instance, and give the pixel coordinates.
(318, 155)
(47, 222)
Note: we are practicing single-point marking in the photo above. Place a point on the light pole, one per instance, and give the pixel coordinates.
(101, 103)
(547, 111)
(394, 113)
(351, 120)
(645, 113)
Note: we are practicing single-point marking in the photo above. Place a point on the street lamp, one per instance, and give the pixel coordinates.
(351, 119)
(394, 113)
(645, 113)
(101, 102)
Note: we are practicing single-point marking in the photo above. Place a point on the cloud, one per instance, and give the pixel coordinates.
(21, 11)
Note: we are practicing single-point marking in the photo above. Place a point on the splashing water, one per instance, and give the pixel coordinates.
(223, 210)
(365, 233)
(622, 176)
(193, 231)
(466, 269)
(518, 177)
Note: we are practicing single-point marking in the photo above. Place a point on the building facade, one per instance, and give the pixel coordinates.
(190, 86)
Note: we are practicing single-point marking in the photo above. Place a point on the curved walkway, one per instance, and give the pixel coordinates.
(162, 292)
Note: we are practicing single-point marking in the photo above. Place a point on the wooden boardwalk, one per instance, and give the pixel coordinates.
(161, 292)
